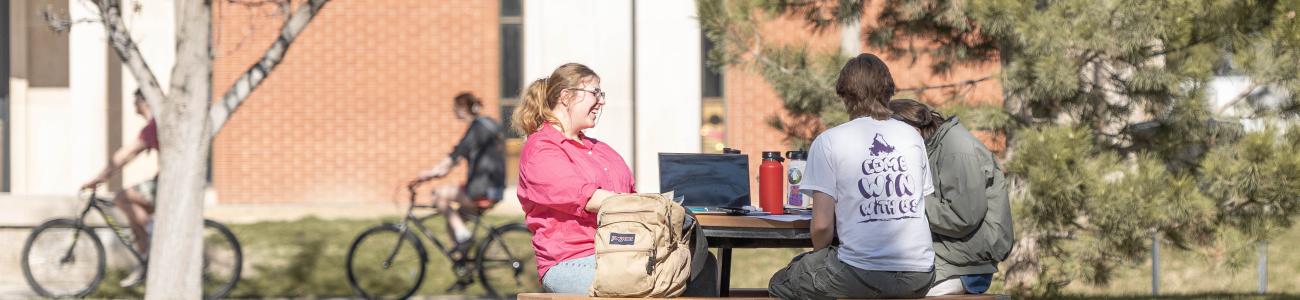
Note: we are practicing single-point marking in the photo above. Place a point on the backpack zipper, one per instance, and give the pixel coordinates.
(650, 264)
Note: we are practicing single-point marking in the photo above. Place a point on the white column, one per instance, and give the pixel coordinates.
(86, 113)
(153, 29)
(668, 67)
(17, 123)
(598, 34)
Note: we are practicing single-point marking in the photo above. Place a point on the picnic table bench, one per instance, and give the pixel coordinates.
(741, 293)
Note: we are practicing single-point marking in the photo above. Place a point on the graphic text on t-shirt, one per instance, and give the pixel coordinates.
(886, 186)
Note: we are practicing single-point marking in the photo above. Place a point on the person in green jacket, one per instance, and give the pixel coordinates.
(969, 212)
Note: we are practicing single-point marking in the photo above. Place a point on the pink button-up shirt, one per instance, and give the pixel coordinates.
(556, 178)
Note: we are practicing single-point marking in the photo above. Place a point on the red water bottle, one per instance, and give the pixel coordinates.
(771, 183)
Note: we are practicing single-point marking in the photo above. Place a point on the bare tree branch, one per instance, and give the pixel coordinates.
(1244, 94)
(963, 83)
(61, 24)
(110, 13)
(244, 86)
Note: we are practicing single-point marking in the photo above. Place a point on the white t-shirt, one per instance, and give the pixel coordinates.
(878, 173)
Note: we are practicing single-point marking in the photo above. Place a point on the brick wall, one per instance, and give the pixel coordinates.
(750, 100)
(361, 103)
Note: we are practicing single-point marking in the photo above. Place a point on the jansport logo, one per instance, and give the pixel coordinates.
(622, 238)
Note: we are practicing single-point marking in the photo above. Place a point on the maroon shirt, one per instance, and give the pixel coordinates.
(149, 135)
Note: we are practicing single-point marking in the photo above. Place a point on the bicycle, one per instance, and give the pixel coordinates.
(65, 258)
(388, 261)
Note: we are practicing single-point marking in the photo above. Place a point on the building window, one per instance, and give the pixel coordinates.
(512, 40)
(511, 79)
(4, 101)
(713, 110)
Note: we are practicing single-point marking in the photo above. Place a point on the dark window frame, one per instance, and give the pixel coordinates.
(712, 90)
(510, 100)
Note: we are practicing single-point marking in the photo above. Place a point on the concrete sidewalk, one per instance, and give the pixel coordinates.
(249, 213)
(31, 210)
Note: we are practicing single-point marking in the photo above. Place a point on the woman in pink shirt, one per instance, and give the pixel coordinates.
(565, 175)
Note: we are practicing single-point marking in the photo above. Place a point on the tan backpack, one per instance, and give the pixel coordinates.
(643, 247)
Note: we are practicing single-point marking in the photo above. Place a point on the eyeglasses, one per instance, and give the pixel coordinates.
(597, 92)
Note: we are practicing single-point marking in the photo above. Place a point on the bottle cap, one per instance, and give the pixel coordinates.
(798, 155)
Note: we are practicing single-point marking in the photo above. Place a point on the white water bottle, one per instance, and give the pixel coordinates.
(794, 176)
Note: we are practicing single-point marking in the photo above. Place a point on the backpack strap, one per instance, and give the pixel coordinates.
(700, 244)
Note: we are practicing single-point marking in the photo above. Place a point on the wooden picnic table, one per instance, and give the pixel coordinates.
(729, 232)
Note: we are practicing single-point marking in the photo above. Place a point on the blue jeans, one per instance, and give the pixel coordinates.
(572, 276)
(976, 283)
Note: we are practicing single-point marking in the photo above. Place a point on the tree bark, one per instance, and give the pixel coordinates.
(187, 121)
(175, 259)
(253, 77)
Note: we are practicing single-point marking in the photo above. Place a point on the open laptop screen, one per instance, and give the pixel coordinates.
(706, 180)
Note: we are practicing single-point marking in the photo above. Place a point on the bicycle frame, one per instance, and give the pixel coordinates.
(121, 233)
(410, 218)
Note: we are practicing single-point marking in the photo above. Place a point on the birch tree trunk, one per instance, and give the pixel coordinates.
(175, 259)
(187, 121)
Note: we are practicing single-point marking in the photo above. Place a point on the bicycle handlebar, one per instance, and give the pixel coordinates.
(411, 186)
(414, 184)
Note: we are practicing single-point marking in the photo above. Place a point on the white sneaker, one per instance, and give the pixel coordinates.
(132, 279)
(460, 235)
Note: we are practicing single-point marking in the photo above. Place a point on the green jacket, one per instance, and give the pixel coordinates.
(969, 211)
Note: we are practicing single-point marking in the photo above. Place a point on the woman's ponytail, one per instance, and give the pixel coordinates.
(533, 109)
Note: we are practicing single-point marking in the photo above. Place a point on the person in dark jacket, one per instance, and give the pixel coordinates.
(969, 212)
(482, 147)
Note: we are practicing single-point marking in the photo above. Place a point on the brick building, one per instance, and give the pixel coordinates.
(362, 101)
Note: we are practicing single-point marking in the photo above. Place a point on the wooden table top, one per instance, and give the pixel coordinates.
(748, 222)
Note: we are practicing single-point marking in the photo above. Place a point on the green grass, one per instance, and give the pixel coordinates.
(1184, 274)
(304, 258)
(1188, 272)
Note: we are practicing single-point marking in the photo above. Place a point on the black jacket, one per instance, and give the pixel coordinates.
(483, 148)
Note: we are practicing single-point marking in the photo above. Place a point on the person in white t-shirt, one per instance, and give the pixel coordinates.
(869, 178)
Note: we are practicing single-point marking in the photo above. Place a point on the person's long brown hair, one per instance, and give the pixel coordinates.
(865, 86)
(543, 94)
(923, 117)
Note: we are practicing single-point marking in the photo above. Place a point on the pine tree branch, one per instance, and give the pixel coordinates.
(1196, 40)
(257, 73)
(963, 83)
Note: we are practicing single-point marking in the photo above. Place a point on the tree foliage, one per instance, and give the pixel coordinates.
(1107, 107)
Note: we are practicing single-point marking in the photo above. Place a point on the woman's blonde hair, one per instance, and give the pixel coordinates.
(543, 94)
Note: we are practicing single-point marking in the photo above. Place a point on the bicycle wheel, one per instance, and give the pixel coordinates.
(506, 262)
(63, 259)
(222, 260)
(384, 264)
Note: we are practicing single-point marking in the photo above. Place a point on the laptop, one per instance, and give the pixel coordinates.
(706, 183)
